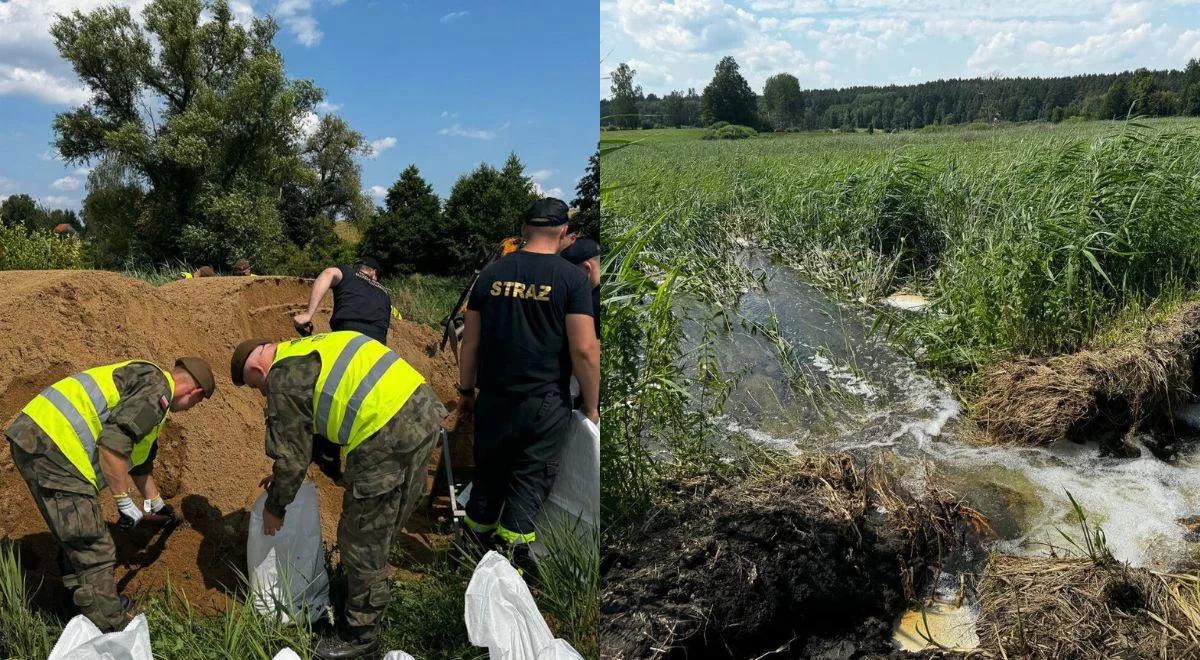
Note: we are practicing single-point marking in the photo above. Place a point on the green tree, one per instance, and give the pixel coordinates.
(624, 97)
(330, 188)
(587, 201)
(485, 206)
(674, 110)
(22, 211)
(1117, 100)
(783, 100)
(111, 215)
(200, 110)
(729, 97)
(406, 236)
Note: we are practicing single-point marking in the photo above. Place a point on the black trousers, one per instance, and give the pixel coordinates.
(372, 331)
(518, 442)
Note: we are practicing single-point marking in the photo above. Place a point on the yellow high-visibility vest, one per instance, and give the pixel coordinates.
(72, 411)
(362, 384)
(186, 276)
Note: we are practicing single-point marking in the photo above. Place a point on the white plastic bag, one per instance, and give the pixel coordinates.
(287, 571)
(286, 654)
(502, 617)
(574, 500)
(397, 655)
(82, 640)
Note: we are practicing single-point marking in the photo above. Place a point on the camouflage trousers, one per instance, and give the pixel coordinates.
(384, 479)
(71, 509)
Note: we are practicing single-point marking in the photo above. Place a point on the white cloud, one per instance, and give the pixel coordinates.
(66, 183)
(378, 192)
(306, 124)
(541, 175)
(458, 130)
(326, 106)
(914, 72)
(547, 192)
(50, 154)
(454, 16)
(1187, 46)
(58, 201)
(381, 145)
(297, 16)
(41, 85)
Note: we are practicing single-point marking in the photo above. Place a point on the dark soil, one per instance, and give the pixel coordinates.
(816, 563)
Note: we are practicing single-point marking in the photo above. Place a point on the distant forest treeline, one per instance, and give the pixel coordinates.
(782, 105)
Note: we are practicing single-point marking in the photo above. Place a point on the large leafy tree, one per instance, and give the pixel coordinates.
(484, 207)
(199, 110)
(624, 97)
(587, 201)
(783, 100)
(329, 187)
(406, 235)
(111, 214)
(729, 97)
(21, 211)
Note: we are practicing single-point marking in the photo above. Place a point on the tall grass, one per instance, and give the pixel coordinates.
(24, 633)
(1028, 239)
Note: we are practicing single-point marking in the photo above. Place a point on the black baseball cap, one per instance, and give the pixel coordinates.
(369, 262)
(547, 212)
(581, 250)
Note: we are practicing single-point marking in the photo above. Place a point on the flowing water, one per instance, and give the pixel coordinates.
(814, 376)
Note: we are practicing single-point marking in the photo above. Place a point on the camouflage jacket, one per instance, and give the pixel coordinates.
(386, 456)
(145, 397)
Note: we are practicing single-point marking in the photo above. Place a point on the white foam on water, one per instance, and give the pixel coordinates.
(847, 380)
(1136, 502)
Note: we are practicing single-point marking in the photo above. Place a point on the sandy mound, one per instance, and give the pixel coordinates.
(1040, 401)
(813, 560)
(211, 458)
(1046, 607)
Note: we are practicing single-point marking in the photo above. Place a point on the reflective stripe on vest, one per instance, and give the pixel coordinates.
(73, 410)
(362, 384)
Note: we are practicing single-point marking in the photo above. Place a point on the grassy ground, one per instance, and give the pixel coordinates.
(423, 618)
(1029, 238)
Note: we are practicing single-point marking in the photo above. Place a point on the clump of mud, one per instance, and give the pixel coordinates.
(1040, 401)
(814, 560)
(1048, 607)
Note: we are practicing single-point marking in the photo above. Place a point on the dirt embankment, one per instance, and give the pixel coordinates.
(1112, 391)
(211, 458)
(814, 561)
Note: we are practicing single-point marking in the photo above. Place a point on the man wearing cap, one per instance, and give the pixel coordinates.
(94, 429)
(347, 392)
(529, 326)
(585, 253)
(360, 303)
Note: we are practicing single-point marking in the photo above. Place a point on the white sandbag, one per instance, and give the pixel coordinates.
(286, 654)
(287, 571)
(82, 640)
(502, 617)
(397, 655)
(574, 500)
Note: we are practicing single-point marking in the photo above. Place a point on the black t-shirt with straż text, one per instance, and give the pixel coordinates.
(523, 301)
(362, 304)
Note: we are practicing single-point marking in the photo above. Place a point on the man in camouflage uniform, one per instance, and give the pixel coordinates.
(94, 429)
(382, 417)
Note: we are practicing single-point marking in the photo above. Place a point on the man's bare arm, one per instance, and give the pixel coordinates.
(328, 278)
(116, 470)
(585, 361)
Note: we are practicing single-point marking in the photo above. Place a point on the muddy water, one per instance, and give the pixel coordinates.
(813, 375)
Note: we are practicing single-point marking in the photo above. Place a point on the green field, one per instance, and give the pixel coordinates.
(1028, 238)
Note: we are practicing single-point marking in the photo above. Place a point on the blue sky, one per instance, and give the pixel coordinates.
(443, 84)
(674, 44)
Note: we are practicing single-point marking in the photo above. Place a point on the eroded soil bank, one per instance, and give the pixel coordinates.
(815, 560)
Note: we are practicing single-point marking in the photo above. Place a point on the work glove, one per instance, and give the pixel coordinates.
(130, 514)
(159, 512)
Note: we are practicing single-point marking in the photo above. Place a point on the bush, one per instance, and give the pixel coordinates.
(719, 125)
(729, 132)
(22, 249)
